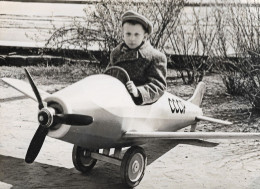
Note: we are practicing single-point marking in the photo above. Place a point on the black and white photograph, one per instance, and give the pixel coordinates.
(115, 94)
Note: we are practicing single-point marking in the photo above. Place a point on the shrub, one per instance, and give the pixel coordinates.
(238, 30)
(102, 30)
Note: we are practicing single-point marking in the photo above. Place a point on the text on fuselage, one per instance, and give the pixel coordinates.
(176, 106)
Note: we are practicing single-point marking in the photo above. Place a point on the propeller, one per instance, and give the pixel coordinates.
(36, 144)
(34, 88)
(73, 119)
(47, 118)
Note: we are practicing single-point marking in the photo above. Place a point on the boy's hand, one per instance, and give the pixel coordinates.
(132, 88)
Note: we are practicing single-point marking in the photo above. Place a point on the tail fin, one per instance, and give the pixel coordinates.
(198, 94)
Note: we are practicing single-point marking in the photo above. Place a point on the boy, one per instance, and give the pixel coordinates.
(145, 65)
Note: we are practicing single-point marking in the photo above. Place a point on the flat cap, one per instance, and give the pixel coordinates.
(132, 15)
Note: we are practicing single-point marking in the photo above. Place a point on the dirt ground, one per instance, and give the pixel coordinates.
(171, 164)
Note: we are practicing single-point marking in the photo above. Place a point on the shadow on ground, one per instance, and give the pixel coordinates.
(16, 172)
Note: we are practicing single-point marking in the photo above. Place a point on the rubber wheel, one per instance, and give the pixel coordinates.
(82, 159)
(133, 166)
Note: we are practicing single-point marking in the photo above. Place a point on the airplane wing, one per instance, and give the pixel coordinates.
(24, 88)
(190, 135)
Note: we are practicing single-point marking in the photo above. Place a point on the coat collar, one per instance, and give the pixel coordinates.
(123, 53)
(144, 49)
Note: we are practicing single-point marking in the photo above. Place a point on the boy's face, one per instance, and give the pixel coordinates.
(133, 35)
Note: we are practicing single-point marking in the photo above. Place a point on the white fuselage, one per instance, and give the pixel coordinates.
(106, 99)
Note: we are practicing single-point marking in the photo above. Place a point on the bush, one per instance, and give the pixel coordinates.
(102, 30)
(238, 30)
(195, 35)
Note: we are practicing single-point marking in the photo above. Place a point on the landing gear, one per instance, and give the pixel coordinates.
(193, 127)
(133, 166)
(82, 159)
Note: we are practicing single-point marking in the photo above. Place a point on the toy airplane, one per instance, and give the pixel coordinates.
(98, 113)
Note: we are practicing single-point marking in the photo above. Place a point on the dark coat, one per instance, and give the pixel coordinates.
(147, 68)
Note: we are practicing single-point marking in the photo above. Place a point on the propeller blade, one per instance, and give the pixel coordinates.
(36, 144)
(73, 119)
(34, 88)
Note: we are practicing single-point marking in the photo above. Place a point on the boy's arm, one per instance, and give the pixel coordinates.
(156, 85)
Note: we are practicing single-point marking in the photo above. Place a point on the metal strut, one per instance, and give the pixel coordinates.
(106, 157)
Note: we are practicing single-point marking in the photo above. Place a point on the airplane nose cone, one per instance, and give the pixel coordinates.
(45, 117)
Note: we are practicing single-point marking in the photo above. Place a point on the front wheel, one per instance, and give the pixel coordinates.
(82, 159)
(133, 166)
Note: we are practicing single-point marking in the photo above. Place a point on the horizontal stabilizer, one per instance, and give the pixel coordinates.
(24, 88)
(204, 118)
(191, 135)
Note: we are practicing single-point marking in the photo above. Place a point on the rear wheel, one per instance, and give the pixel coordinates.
(133, 166)
(82, 159)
